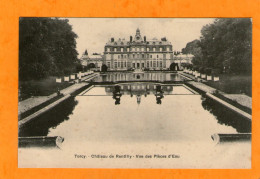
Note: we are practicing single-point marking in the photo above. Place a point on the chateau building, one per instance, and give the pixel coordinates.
(94, 61)
(183, 58)
(138, 53)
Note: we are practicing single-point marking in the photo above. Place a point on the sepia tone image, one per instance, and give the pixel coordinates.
(135, 93)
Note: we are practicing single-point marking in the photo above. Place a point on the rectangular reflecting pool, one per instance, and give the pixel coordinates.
(114, 125)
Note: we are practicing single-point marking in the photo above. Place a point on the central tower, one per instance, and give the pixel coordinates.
(138, 37)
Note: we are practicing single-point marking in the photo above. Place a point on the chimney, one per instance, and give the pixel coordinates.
(144, 38)
(112, 39)
(131, 38)
(163, 39)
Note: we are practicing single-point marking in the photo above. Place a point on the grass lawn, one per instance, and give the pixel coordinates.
(233, 84)
(43, 87)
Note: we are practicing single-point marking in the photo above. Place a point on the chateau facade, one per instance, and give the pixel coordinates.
(138, 53)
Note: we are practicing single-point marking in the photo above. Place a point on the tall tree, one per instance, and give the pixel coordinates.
(47, 46)
(194, 48)
(227, 43)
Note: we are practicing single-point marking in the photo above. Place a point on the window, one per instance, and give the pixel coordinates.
(108, 64)
(151, 56)
(157, 64)
(147, 55)
(157, 56)
(118, 65)
(133, 55)
(147, 64)
(118, 56)
(115, 64)
(151, 64)
(154, 63)
(125, 63)
(160, 64)
(122, 64)
(142, 55)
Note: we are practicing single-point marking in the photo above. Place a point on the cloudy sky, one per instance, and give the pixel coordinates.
(93, 33)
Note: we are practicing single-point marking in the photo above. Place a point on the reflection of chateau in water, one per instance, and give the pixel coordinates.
(139, 89)
(112, 77)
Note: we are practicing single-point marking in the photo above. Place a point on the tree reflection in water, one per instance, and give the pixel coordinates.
(159, 94)
(226, 116)
(40, 126)
(117, 95)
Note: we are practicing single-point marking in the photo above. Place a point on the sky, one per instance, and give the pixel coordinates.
(94, 33)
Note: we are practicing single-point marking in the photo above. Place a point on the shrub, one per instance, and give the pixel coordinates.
(67, 71)
(202, 70)
(216, 71)
(189, 66)
(208, 71)
(196, 68)
(79, 68)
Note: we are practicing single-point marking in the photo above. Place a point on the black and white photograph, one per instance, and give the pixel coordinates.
(166, 93)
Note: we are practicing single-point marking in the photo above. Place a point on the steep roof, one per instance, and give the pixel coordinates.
(123, 42)
(91, 56)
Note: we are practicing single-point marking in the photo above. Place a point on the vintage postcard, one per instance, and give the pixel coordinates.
(166, 93)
